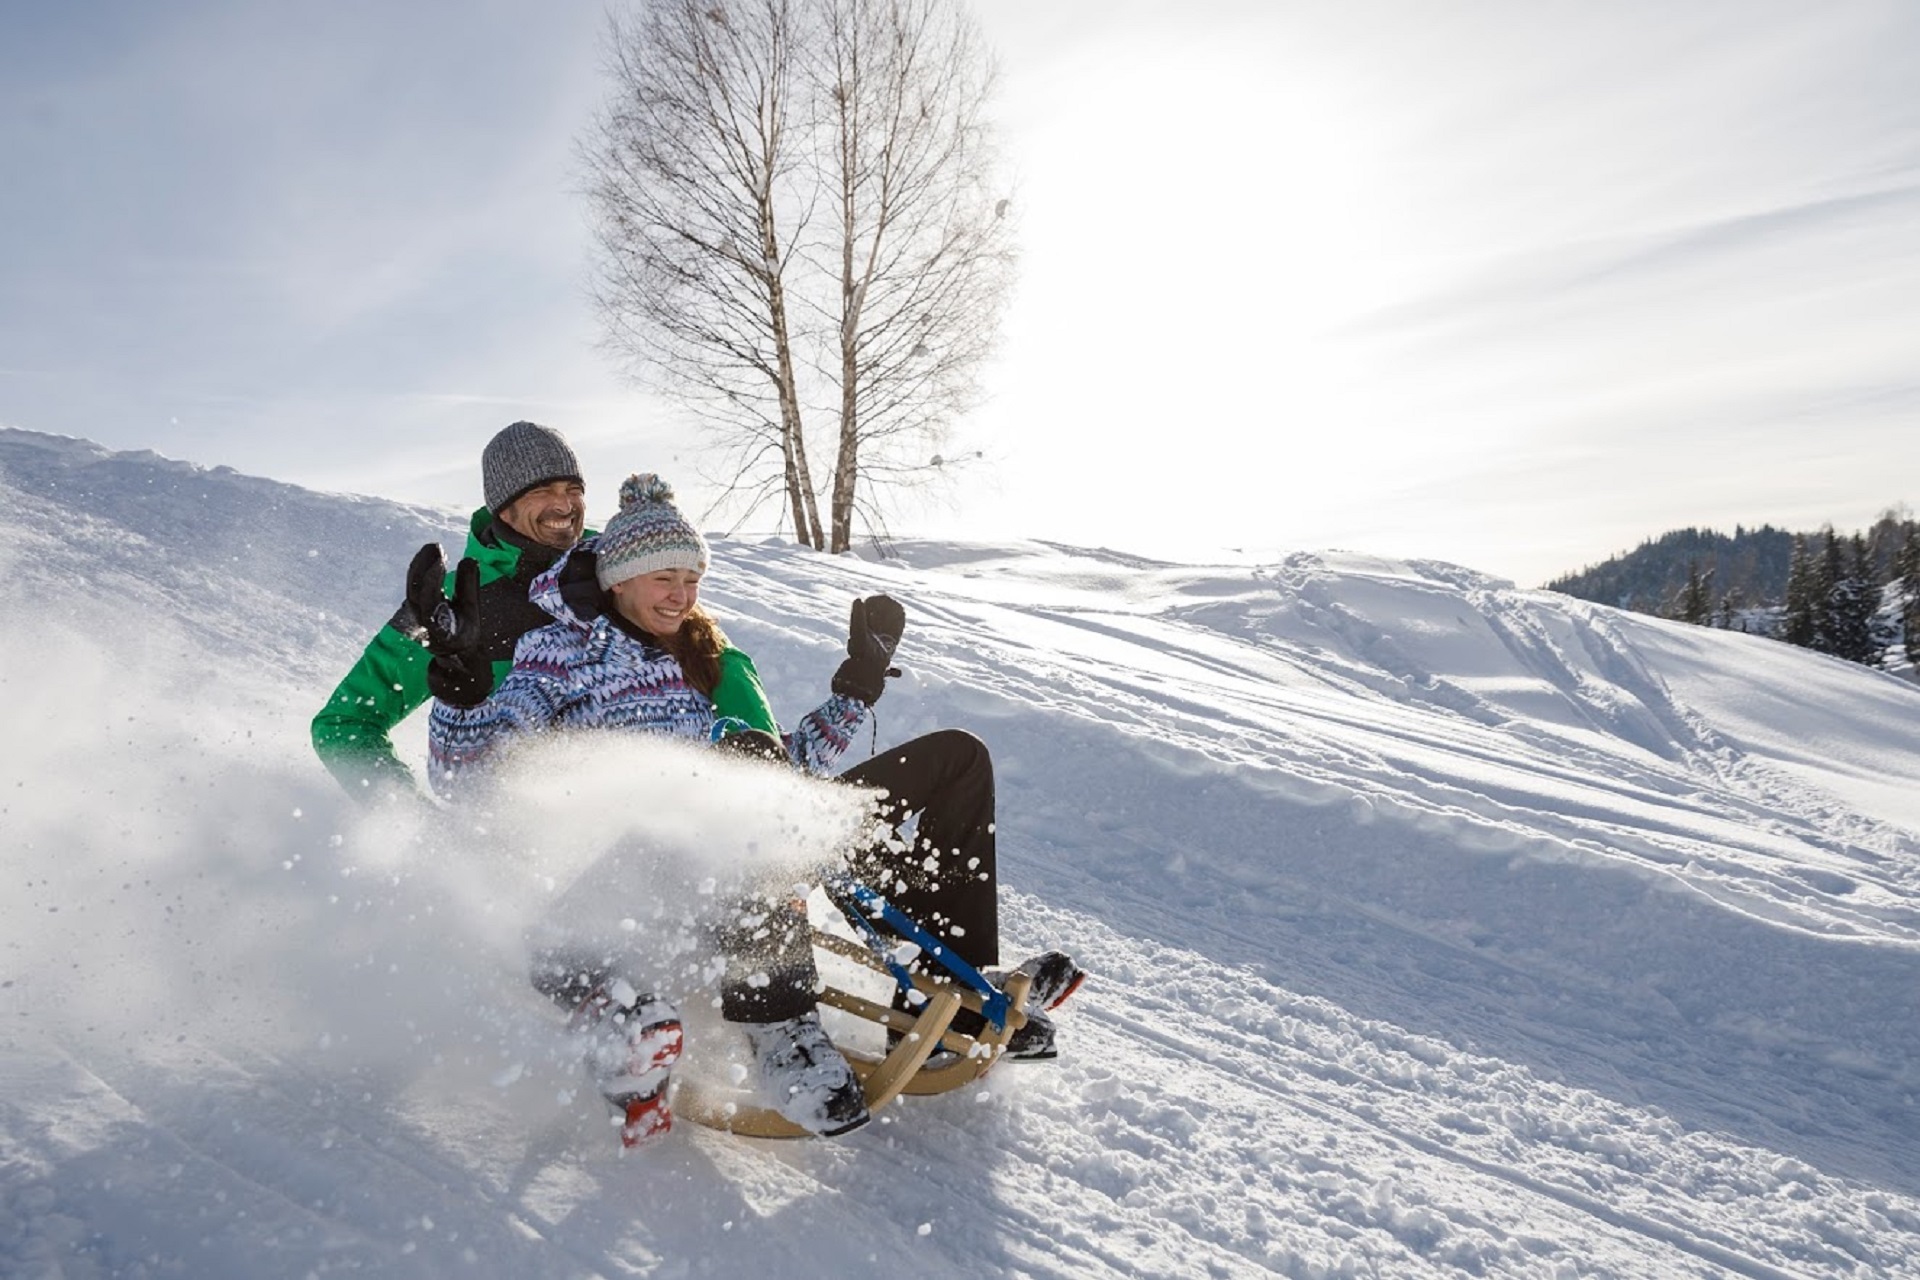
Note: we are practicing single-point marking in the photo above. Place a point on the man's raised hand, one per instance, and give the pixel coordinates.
(451, 627)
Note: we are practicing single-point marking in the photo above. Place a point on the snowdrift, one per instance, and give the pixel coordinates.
(1437, 928)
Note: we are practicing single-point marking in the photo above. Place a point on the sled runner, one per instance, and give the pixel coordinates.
(927, 1056)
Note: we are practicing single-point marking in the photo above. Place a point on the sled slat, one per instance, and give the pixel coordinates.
(861, 954)
(748, 1119)
(895, 1019)
(883, 1082)
(975, 1062)
(902, 1071)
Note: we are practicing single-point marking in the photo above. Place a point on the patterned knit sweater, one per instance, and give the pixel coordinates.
(586, 672)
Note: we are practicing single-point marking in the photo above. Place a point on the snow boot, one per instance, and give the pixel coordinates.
(1055, 977)
(1033, 1041)
(633, 1040)
(808, 1080)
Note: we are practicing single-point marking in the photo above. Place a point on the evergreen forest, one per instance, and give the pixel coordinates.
(1856, 596)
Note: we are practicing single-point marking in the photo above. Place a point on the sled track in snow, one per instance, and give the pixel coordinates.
(1075, 1250)
(1246, 1067)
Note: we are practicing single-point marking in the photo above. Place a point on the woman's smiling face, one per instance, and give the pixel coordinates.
(657, 602)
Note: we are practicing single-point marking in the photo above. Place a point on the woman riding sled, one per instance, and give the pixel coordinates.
(630, 648)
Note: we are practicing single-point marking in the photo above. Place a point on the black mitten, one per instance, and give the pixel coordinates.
(464, 680)
(450, 628)
(873, 633)
(755, 744)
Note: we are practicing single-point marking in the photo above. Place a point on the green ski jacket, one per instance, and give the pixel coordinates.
(352, 732)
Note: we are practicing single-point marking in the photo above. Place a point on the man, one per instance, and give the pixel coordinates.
(536, 510)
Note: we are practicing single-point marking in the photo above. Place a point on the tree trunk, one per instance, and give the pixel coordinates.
(799, 478)
(846, 462)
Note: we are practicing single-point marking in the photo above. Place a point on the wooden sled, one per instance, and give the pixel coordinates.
(904, 1069)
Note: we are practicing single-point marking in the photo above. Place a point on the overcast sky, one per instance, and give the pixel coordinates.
(1514, 285)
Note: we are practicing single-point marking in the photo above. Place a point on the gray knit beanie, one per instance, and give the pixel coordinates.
(521, 457)
(648, 534)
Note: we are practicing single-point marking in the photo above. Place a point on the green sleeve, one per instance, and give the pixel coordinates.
(384, 687)
(739, 694)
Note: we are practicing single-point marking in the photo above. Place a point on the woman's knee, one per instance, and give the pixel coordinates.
(963, 751)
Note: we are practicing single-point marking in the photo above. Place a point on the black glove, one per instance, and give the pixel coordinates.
(463, 681)
(873, 633)
(449, 628)
(755, 744)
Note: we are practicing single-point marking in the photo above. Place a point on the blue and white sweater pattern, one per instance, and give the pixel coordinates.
(585, 673)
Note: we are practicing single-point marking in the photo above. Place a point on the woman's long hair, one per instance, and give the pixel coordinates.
(696, 647)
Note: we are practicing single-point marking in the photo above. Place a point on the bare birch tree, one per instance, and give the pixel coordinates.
(691, 179)
(924, 257)
(731, 123)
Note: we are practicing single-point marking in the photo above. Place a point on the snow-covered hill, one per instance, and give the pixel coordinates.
(1437, 928)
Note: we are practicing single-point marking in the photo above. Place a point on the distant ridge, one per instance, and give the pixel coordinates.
(1753, 562)
(1748, 565)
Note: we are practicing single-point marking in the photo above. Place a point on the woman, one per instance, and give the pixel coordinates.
(631, 648)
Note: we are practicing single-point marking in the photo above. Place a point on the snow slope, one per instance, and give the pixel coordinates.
(1438, 928)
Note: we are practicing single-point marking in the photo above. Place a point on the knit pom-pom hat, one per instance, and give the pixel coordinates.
(648, 534)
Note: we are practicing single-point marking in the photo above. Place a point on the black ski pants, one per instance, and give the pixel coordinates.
(946, 881)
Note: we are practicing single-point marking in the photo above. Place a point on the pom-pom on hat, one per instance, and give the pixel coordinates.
(648, 534)
(522, 457)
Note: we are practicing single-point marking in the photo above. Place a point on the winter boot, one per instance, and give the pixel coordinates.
(632, 1042)
(1055, 977)
(808, 1080)
(1033, 1041)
